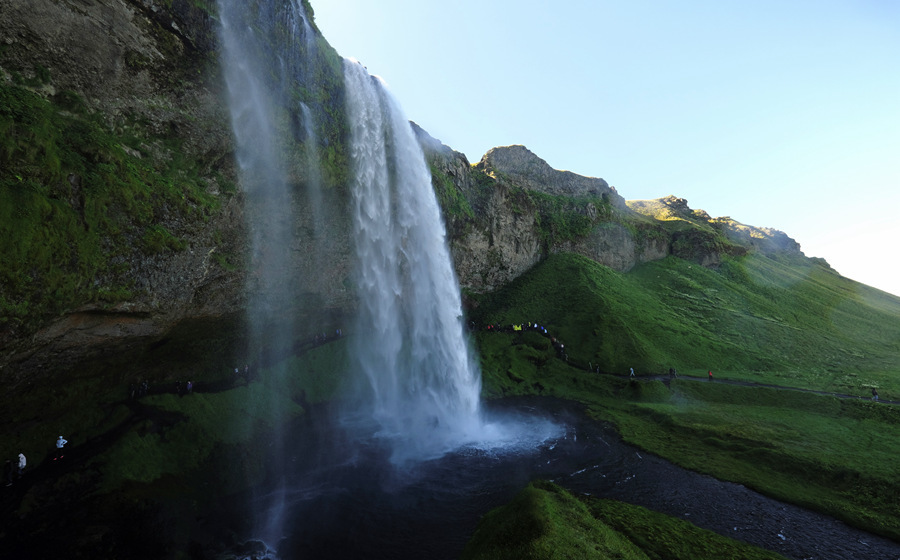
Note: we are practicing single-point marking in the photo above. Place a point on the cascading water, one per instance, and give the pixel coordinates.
(411, 345)
(258, 107)
(419, 390)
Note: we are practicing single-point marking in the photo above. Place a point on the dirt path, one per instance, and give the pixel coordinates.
(668, 379)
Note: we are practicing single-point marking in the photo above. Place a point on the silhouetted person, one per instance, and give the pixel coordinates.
(874, 394)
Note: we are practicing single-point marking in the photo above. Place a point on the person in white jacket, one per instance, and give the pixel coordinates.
(22, 463)
(60, 443)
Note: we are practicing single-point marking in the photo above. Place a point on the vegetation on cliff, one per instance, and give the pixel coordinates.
(80, 204)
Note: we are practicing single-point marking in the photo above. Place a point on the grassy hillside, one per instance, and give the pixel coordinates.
(793, 323)
(755, 320)
(546, 522)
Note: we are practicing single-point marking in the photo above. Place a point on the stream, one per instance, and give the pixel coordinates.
(345, 499)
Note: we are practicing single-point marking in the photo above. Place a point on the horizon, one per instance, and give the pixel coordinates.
(728, 107)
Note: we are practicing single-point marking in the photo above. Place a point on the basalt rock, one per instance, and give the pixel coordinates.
(522, 167)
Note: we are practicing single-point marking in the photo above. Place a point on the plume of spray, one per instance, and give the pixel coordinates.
(256, 102)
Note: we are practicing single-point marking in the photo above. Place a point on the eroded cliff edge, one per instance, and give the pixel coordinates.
(511, 209)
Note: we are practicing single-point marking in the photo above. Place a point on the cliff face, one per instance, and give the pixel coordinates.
(144, 73)
(115, 119)
(519, 210)
(519, 165)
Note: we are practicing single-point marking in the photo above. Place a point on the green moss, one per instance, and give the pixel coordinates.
(566, 218)
(453, 202)
(157, 239)
(74, 204)
(544, 522)
(662, 537)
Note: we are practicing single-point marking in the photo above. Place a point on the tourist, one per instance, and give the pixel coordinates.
(632, 372)
(60, 443)
(874, 394)
(710, 374)
(190, 387)
(21, 466)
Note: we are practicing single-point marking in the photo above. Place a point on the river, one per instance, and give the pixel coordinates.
(347, 500)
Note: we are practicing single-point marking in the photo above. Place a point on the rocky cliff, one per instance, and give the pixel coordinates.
(510, 210)
(119, 156)
(140, 79)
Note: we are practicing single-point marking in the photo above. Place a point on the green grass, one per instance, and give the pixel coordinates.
(820, 452)
(545, 522)
(833, 455)
(184, 434)
(662, 537)
(755, 319)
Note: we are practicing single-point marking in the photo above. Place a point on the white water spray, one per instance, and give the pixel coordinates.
(257, 101)
(421, 384)
(411, 346)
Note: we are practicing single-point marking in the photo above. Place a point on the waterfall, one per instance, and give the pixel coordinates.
(418, 388)
(259, 89)
(423, 385)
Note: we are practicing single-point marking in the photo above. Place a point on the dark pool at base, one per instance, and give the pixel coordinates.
(345, 500)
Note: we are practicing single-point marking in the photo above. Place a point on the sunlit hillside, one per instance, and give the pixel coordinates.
(794, 322)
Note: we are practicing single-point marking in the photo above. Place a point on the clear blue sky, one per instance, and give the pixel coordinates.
(782, 114)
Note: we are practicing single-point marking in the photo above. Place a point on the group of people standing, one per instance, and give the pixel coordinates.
(14, 469)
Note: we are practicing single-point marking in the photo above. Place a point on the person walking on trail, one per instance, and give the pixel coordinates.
(632, 372)
(21, 466)
(60, 443)
(874, 394)
(710, 374)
